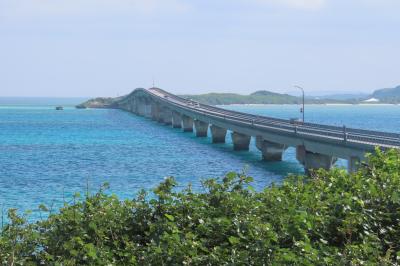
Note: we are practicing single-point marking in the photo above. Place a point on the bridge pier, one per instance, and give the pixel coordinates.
(155, 112)
(353, 164)
(161, 114)
(271, 151)
(201, 128)
(140, 107)
(167, 116)
(143, 107)
(130, 105)
(187, 123)
(176, 120)
(313, 149)
(218, 134)
(147, 109)
(160, 118)
(314, 161)
(240, 141)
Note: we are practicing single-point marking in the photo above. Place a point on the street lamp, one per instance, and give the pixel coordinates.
(302, 90)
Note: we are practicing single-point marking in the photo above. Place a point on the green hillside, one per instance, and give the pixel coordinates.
(100, 102)
(258, 97)
(389, 95)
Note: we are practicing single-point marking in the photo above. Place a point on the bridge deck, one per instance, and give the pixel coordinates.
(327, 132)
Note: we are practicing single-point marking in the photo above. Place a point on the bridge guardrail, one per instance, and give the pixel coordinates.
(343, 133)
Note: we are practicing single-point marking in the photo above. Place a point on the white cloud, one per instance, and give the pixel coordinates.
(299, 4)
(20, 9)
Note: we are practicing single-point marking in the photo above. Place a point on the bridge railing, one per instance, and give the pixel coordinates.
(313, 125)
(317, 130)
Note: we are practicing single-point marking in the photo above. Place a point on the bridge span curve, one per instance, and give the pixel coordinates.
(317, 146)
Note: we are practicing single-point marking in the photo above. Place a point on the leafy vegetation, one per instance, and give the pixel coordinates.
(332, 218)
(100, 102)
(389, 95)
(258, 97)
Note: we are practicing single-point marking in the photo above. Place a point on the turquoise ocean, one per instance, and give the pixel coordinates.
(47, 155)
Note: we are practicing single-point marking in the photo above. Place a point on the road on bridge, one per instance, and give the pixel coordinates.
(351, 135)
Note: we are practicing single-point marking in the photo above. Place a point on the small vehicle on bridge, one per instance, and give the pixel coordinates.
(193, 103)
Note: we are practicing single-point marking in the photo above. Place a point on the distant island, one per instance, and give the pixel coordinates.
(388, 95)
(99, 102)
(258, 97)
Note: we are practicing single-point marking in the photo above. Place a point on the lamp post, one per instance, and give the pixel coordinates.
(302, 90)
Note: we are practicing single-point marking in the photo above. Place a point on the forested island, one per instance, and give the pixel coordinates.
(390, 95)
(258, 97)
(99, 102)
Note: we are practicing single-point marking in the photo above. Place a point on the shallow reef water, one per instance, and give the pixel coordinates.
(47, 155)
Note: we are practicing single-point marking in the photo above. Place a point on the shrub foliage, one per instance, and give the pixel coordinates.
(332, 218)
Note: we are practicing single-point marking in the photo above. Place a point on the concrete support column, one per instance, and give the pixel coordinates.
(312, 160)
(271, 151)
(164, 116)
(143, 107)
(218, 134)
(176, 120)
(140, 107)
(161, 110)
(160, 118)
(132, 105)
(155, 113)
(167, 116)
(187, 123)
(135, 108)
(353, 164)
(201, 128)
(240, 141)
(147, 109)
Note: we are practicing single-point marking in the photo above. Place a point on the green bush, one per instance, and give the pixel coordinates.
(332, 218)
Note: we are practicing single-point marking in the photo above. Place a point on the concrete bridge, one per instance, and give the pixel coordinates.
(317, 146)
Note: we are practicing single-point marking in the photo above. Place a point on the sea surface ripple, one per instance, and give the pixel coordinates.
(47, 155)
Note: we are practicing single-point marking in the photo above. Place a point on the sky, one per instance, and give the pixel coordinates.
(87, 48)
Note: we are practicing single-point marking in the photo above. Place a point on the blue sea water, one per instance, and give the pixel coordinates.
(47, 155)
(366, 116)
